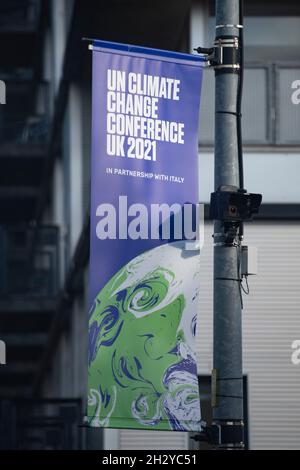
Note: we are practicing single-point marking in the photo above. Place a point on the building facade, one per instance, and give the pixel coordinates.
(271, 124)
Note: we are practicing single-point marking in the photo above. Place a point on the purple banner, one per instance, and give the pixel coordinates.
(144, 281)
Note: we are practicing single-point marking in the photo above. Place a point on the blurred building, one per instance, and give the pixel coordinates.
(45, 134)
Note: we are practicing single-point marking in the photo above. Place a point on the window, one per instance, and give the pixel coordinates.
(272, 64)
(288, 114)
(269, 116)
(256, 128)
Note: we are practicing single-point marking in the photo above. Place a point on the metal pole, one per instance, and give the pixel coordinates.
(228, 370)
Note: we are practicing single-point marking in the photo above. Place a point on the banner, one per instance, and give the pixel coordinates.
(144, 271)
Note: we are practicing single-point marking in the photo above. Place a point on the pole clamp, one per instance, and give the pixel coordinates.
(227, 434)
(223, 435)
(225, 55)
(237, 26)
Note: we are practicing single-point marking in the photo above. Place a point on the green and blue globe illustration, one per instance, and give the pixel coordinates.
(142, 326)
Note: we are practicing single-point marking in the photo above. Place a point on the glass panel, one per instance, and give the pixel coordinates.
(288, 113)
(207, 108)
(272, 31)
(255, 106)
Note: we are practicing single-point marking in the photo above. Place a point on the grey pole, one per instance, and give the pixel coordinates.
(228, 369)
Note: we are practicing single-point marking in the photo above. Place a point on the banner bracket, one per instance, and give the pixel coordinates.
(225, 54)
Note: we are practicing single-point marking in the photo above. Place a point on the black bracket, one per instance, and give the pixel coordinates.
(225, 56)
(227, 434)
(230, 204)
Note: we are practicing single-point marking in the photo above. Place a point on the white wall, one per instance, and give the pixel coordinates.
(273, 174)
(198, 25)
(271, 322)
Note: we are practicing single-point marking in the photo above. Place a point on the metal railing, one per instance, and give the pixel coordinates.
(21, 122)
(29, 261)
(16, 12)
(41, 424)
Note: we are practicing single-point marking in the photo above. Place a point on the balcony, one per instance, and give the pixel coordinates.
(29, 262)
(29, 282)
(17, 13)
